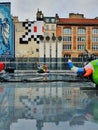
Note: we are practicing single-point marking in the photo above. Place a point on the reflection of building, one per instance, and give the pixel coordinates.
(48, 104)
(6, 107)
(45, 105)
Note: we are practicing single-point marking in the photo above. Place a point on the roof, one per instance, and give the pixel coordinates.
(76, 21)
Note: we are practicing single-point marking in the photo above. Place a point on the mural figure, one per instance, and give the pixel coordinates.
(6, 31)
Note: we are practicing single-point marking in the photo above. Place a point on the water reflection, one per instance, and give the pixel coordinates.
(45, 106)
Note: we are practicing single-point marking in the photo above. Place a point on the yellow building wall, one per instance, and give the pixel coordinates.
(21, 49)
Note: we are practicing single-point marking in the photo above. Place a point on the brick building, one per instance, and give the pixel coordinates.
(79, 34)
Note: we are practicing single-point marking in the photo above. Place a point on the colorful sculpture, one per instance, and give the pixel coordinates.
(42, 68)
(89, 70)
(1, 66)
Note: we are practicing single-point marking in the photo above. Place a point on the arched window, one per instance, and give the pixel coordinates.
(67, 31)
(81, 31)
(95, 31)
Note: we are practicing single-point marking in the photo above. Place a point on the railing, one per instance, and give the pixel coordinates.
(53, 64)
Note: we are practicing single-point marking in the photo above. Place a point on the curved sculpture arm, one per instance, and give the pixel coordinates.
(75, 69)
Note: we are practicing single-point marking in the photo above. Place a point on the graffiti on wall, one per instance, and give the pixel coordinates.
(34, 30)
(6, 31)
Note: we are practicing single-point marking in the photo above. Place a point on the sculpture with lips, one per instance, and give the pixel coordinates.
(89, 70)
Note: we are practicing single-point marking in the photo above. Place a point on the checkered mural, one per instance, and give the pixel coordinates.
(32, 107)
(33, 31)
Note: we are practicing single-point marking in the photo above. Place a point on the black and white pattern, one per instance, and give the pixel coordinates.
(34, 30)
(31, 106)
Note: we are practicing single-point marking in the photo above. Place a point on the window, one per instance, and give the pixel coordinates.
(52, 20)
(81, 39)
(81, 47)
(67, 38)
(52, 27)
(94, 47)
(95, 31)
(67, 31)
(81, 31)
(37, 50)
(47, 27)
(67, 47)
(94, 39)
(47, 20)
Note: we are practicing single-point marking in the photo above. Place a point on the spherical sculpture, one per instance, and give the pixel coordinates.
(1, 66)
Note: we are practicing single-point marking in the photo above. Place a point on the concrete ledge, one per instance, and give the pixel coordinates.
(10, 69)
(51, 71)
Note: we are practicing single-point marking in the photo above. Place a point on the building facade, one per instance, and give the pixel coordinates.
(54, 37)
(79, 34)
(47, 38)
(27, 38)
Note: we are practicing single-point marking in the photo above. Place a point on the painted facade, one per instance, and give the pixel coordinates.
(6, 32)
(27, 38)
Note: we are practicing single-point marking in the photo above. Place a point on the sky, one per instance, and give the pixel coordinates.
(26, 9)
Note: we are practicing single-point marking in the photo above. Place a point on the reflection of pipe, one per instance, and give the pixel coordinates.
(39, 124)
